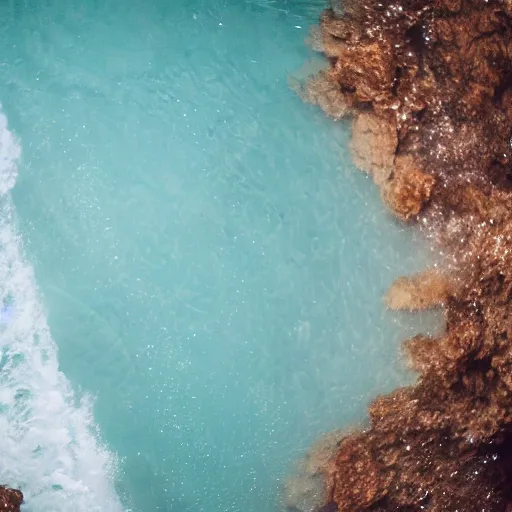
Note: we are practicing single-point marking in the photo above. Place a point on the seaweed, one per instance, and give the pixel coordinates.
(428, 87)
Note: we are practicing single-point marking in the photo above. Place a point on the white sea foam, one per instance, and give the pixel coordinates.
(49, 445)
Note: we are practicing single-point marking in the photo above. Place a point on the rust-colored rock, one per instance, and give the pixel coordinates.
(428, 84)
(10, 499)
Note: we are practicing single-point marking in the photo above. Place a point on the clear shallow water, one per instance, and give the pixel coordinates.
(208, 262)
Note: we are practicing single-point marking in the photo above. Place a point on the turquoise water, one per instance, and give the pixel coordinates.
(196, 243)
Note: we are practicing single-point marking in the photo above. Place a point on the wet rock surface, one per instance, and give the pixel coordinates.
(429, 87)
(10, 499)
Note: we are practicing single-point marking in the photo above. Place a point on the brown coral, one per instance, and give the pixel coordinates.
(429, 85)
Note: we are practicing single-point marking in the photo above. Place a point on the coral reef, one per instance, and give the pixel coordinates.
(10, 499)
(428, 84)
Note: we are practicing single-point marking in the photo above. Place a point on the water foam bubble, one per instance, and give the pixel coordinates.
(49, 445)
(9, 153)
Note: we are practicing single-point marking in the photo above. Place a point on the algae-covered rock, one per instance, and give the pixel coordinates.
(428, 85)
(10, 499)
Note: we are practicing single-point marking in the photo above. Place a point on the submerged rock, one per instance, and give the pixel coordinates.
(10, 499)
(428, 84)
(422, 291)
(305, 491)
(374, 143)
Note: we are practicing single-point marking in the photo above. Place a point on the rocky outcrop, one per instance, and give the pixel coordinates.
(10, 499)
(428, 84)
